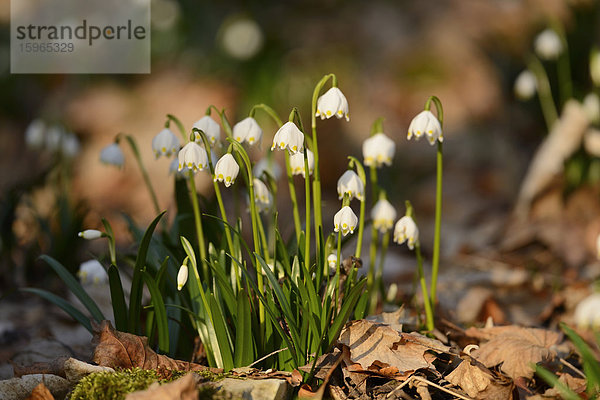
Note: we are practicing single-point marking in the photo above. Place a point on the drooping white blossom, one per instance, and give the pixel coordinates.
(548, 45)
(247, 130)
(406, 231)
(383, 215)
(332, 261)
(345, 221)
(262, 197)
(193, 157)
(267, 165)
(525, 85)
(290, 137)
(226, 170)
(378, 150)
(165, 143)
(92, 272)
(90, 234)
(425, 123)
(297, 163)
(210, 127)
(112, 155)
(333, 102)
(350, 184)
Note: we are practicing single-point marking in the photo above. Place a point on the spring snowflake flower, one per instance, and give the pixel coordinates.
(35, 134)
(425, 123)
(92, 272)
(345, 221)
(378, 150)
(333, 102)
(595, 67)
(182, 276)
(262, 197)
(548, 45)
(267, 165)
(165, 143)
(350, 184)
(174, 169)
(70, 145)
(289, 136)
(332, 261)
(247, 130)
(90, 234)
(54, 138)
(112, 155)
(383, 215)
(525, 85)
(406, 231)
(297, 163)
(210, 127)
(193, 157)
(587, 312)
(226, 170)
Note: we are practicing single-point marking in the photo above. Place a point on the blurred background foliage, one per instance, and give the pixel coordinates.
(389, 57)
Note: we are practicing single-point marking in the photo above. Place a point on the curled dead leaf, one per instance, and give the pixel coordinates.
(479, 382)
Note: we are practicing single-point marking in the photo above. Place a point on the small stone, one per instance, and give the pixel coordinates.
(264, 389)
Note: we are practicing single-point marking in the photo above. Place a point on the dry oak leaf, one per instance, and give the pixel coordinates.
(479, 382)
(123, 350)
(183, 388)
(40, 392)
(372, 342)
(514, 347)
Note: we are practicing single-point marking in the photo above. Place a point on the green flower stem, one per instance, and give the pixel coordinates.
(426, 299)
(544, 91)
(263, 240)
(563, 65)
(316, 173)
(295, 212)
(345, 202)
(438, 200)
(307, 216)
(379, 274)
(270, 112)
(145, 175)
(374, 240)
(111, 242)
(220, 202)
(171, 117)
(198, 223)
(361, 221)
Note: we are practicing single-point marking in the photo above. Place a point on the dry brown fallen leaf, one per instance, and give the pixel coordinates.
(183, 388)
(514, 347)
(123, 350)
(41, 392)
(379, 345)
(479, 382)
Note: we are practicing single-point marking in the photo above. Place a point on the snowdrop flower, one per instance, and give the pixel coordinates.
(54, 138)
(406, 231)
(174, 169)
(587, 312)
(193, 157)
(90, 234)
(383, 215)
(333, 102)
(35, 134)
(247, 130)
(595, 67)
(70, 145)
(345, 220)
(262, 197)
(112, 155)
(378, 150)
(288, 136)
(182, 276)
(270, 166)
(425, 123)
(226, 170)
(591, 106)
(92, 272)
(165, 143)
(211, 129)
(525, 85)
(297, 163)
(332, 261)
(350, 184)
(548, 45)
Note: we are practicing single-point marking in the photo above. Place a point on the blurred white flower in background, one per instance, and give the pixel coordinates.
(35, 134)
(165, 143)
(297, 163)
(54, 138)
(378, 150)
(383, 215)
(525, 85)
(92, 272)
(548, 45)
(262, 197)
(241, 37)
(210, 127)
(112, 155)
(174, 169)
(587, 312)
(165, 14)
(591, 106)
(406, 231)
(70, 145)
(90, 234)
(268, 165)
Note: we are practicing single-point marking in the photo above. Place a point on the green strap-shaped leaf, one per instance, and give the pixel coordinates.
(349, 303)
(117, 297)
(75, 287)
(552, 380)
(135, 298)
(244, 346)
(65, 305)
(160, 312)
(591, 367)
(223, 336)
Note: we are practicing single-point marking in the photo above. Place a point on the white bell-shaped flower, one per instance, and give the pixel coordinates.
(406, 231)
(54, 138)
(90, 234)
(267, 165)
(345, 221)
(226, 170)
(548, 45)
(210, 127)
(378, 150)
(92, 272)
(182, 276)
(333, 102)
(350, 184)
(332, 261)
(297, 163)
(165, 143)
(35, 134)
(290, 137)
(193, 157)
(262, 197)
(595, 67)
(383, 215)
(174, 169)
(587, 312)
(425, 123)
(112, 155)
(525, 85)
(70, 146)
(247, 130)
